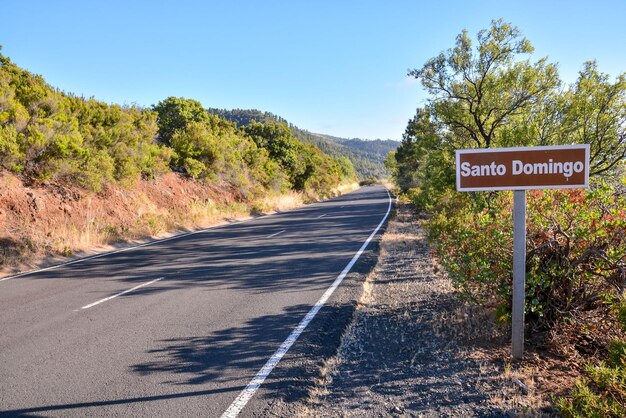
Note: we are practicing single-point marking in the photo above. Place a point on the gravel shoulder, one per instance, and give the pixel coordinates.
(415, 349)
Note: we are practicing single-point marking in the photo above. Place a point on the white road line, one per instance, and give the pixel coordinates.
(240, 402)
(321, 216)
(145, 244)
(91, 305)
(277, 233)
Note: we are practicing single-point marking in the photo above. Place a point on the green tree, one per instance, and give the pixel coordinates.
(175, 113)
(321, 173)
(595, 114)
(346, 168)
(197, 148)
(280, 144)
(477, 91)
(420, 138)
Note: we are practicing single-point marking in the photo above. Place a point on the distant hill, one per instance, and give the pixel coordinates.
(367, 156)
(243, 117)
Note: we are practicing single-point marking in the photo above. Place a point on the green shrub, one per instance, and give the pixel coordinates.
(307, 168)
(368, 181)
(576, 241)
(603, 392)
(346, 168)
(49, 135)
(194, 167)
(97, 171)
(476, 249)
(175, 113)
(11, 156)
(282, 147)
(576, 246)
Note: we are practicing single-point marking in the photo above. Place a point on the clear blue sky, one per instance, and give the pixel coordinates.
(335, 67)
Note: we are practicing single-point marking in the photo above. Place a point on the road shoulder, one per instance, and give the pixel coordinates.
(414, 348)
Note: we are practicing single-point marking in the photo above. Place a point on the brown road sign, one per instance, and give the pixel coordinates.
(520, 169)
(523, 168)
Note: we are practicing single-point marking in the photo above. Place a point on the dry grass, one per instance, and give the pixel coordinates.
(41, 225)
(346, 188)
(279, 203)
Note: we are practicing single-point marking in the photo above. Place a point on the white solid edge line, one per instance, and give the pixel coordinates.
(134, 247)
(246, 394)
(276, 233)
(145, 244)
(121, 293)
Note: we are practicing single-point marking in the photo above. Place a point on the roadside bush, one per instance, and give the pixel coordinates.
(11, 155)
(368, 181)
(98, 170)
(268, 172)
(281, 146)
(603, 392)
(196, 149)
(576, 252)
(216, 151)
(321, 173)
(308, 169)
(576, 259)
(346, 168)
(194, 167)
(48, 135)
(476, 250)
(175, 113)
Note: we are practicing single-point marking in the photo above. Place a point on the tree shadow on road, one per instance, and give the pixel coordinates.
(33, 412)
(200, 359)
(232, 354)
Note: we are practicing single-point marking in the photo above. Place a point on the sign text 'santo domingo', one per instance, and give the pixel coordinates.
(523, 168)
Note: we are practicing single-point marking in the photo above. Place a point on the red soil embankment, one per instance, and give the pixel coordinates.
(54, 219)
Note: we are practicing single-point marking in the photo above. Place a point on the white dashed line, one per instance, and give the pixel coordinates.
(121, 293)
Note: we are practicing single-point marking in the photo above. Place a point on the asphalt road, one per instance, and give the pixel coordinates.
(201, 315)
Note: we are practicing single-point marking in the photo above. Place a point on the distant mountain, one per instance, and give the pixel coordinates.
(367, 156)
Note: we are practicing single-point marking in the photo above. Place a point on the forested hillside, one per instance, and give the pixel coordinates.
(46, 134)
(52, 141)
(367, 156)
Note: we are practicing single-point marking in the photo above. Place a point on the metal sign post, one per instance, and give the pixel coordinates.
(521, 169)
(519, 273)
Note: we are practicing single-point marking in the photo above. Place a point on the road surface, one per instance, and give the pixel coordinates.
(176, 328)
